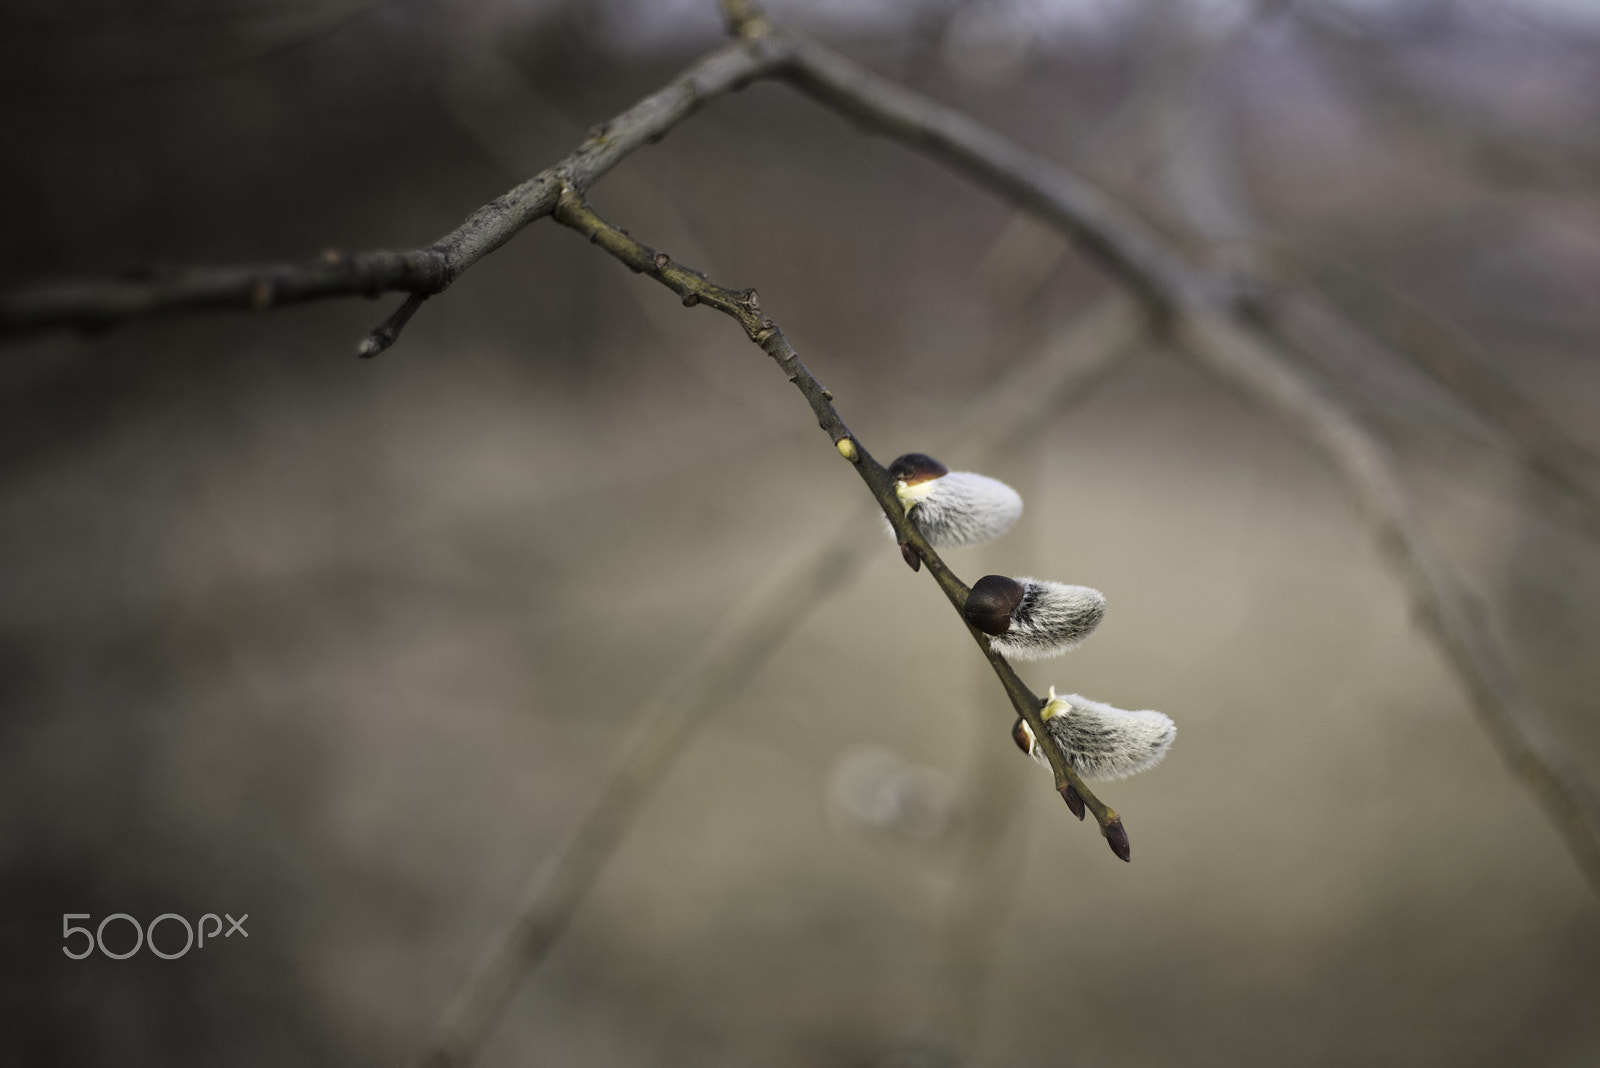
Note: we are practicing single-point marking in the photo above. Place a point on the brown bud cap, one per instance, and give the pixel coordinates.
(1070, 795)
(915, 467)
(991, 602)
(1019, 734)
(1118, 839)
(908, 552)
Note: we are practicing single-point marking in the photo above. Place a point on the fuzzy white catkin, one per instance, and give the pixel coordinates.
(1051, 619)
(963, 508)
(1102, 742)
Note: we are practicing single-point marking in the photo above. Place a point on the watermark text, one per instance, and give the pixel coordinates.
(194, 935)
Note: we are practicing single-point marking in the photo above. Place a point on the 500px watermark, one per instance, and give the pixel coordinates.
(145, 936)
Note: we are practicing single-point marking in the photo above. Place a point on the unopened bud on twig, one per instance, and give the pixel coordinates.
(909, 554)
(952, 508)
(1117, 838)
(1100, 742)
(1030, 619)
(1073, 799)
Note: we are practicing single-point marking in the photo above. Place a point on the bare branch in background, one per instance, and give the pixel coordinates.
(1447, 356)
(660, 734)
(1202, 176)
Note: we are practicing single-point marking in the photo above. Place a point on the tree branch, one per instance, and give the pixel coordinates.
(104, 303)
(745, 308)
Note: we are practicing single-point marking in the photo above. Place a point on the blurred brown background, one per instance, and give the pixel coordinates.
(348, 646)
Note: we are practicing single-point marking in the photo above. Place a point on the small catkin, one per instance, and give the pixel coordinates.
(1102, 742)
(1050, 619)
(953, 508)
(966, 509)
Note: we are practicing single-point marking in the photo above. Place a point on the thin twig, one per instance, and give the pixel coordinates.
(388, 331)
(744, 306)
(1072, 364)
(100, 303)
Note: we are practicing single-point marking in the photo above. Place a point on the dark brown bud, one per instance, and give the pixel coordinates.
(1069, 794)
(1118, 839)
(908, 552)
(991, 602)
(1019, 734)
(915, 467)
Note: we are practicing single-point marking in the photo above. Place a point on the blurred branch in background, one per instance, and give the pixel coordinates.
(1416, 336)
(1198, 162)
(664, 726)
